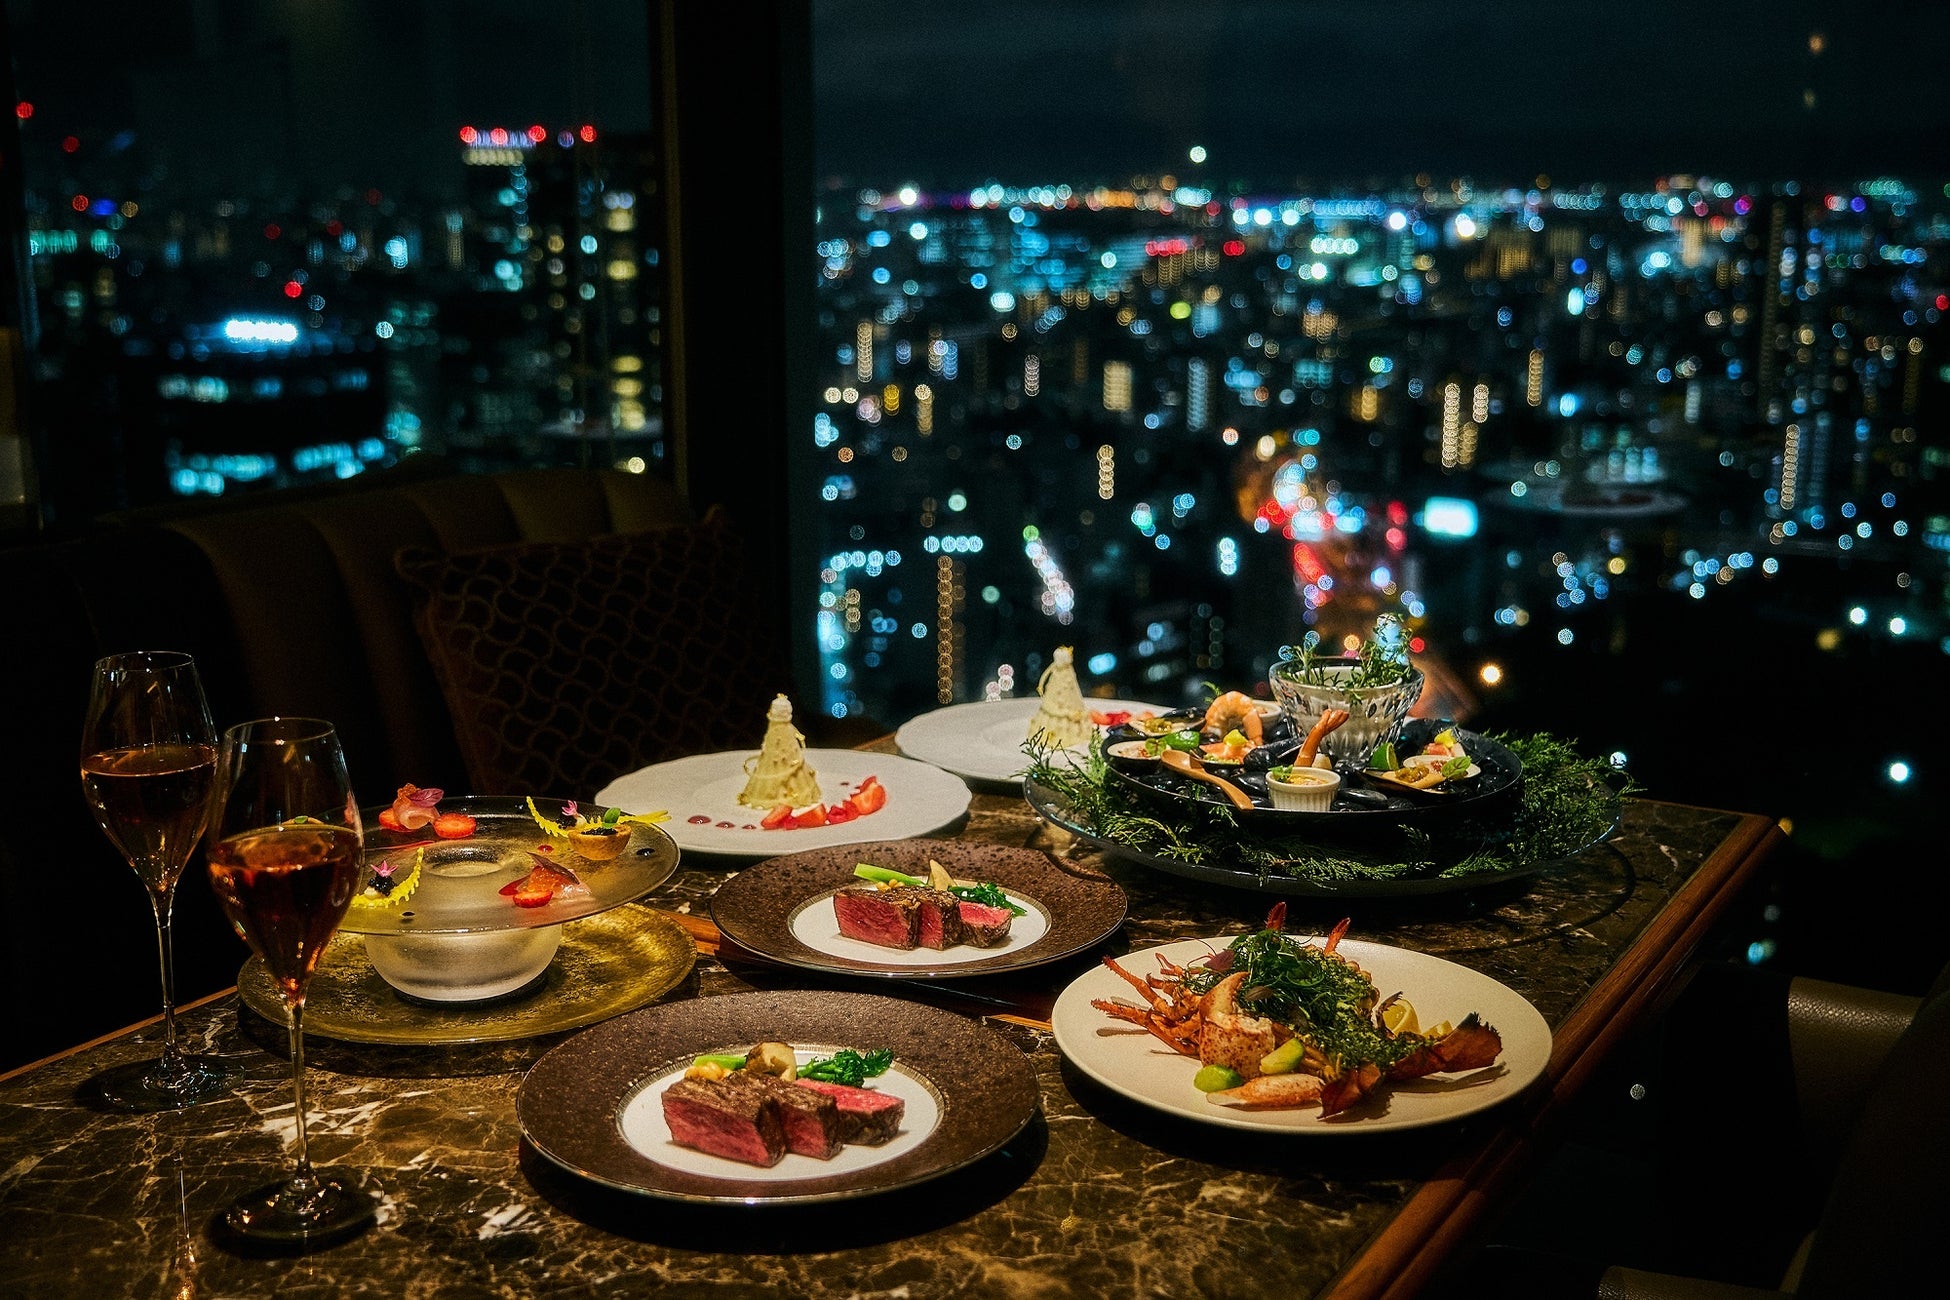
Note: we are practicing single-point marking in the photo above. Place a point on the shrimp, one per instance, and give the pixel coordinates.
(1329, 720)
(1274, 1091)
(1235, 710)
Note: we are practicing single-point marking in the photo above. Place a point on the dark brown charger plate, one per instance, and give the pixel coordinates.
(756, 907)
(572, 1101)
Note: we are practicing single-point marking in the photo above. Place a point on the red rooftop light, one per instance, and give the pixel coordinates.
(498, 136)
(588, 134)
(468, 135)
(23, 110)
(292, 288)
(538, 133)
(70, 144)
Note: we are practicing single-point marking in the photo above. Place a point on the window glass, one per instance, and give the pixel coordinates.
(1605, 344)
(271, 244)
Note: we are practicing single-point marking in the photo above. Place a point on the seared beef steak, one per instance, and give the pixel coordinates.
(940, 916)
(890, 918)
(870, 1116)
(735, 1121)
(984, 926)
(908, 916)
(813, 1123)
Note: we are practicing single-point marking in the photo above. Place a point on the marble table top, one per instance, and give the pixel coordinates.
(1097, 1197)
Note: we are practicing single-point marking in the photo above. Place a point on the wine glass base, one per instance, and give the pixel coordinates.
(322, 1211)
(145, 1087)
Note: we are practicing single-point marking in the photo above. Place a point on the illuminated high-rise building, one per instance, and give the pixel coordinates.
(564, 300)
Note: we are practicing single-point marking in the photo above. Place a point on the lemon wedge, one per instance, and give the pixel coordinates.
(1399, 1018)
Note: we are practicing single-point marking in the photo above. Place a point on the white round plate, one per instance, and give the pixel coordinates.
(983, 741)
(1131, 1062)
(701, 795)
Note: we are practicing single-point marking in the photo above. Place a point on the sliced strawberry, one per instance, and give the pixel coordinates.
(840, 812)
(531, 892)
(1111, 719)
(389, 820)
(869, 797)
(453, 826)
(780, 818)
(813, 816)
(538, 886)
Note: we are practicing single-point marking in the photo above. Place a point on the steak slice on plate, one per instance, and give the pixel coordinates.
(870, 1116)
(813, 1123)
(984, 926)
(940, 919)
(890, 918)
(732, 1120)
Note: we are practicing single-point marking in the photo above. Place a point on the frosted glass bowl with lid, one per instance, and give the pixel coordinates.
(457, 937)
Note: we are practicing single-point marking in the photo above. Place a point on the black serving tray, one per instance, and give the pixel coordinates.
(1365, 812)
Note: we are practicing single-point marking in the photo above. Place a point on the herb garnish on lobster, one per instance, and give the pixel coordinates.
(1241, 1010)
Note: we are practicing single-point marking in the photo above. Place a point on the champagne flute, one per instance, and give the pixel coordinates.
(148, 757)
(285, 856)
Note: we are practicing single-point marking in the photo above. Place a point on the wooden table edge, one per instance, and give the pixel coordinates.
(1438, 1219)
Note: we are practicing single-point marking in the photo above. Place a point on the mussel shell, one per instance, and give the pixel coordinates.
(1272, 755)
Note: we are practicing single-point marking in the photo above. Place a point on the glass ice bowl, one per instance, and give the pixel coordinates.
(1375, 713)
(457, 937)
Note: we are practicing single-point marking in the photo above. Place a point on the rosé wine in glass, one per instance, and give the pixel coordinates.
(285, 853)
(148, 759)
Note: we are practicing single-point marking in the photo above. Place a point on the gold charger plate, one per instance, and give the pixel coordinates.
(612, 962)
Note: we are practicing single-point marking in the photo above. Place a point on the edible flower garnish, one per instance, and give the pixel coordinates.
(418, 808)
(388, 885)
(573, 819)
(598, 839)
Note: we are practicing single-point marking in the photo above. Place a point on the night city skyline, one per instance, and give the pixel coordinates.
(1587, 428)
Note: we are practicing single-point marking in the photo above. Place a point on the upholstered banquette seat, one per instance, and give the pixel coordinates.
(535, 631)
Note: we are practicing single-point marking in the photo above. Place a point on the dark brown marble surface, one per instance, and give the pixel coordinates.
(1097, 1197)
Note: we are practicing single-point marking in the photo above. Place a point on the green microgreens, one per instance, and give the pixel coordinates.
(1382, 660)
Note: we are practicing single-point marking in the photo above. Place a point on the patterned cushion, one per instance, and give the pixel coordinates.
(566, 664)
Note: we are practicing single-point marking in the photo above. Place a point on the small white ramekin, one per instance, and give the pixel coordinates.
(1308, 789)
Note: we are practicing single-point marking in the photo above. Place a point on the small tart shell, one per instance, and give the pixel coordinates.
(600, 844)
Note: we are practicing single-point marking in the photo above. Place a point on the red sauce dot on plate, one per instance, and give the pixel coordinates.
(748, 826)
(726, 826)
(544, 848)
(700, 820)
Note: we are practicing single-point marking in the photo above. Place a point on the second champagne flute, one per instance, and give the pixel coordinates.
(148, 756)
(285, 849)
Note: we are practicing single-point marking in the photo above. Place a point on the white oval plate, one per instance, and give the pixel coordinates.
(983, 740)
(701, 795)
(1131, 1062)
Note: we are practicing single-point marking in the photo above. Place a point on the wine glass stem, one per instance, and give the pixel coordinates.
(163, 900)
(301, 1176)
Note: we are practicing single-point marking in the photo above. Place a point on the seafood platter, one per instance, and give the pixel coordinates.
(1274, 1031)
(1431, 775)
